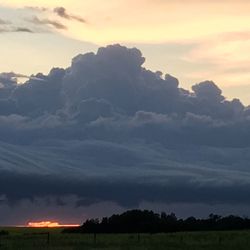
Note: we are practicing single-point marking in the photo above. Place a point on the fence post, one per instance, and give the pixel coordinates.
(48, 238)
(139, 237)
(220, 240)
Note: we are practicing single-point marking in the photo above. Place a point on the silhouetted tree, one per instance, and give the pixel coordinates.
(138, 221)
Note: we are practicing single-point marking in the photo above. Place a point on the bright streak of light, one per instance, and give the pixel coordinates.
(49, 224)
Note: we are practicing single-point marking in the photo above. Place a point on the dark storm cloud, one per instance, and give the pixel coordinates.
(45, 21)
(106, 128)
(62, 12)
(126, 174)
(41, 94)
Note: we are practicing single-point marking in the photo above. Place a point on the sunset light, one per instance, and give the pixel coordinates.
(131, 118)
(49, 224)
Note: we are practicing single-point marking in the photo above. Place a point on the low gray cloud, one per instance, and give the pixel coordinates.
(8, 27)
(45, 21)
(4, 22)
(62, 12)
(14, 29)
(59, 11)
(107, 129)
(23, 29)
(39, 23)
(36, 8)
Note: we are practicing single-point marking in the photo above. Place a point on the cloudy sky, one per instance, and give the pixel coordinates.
(97, 129)
(193, 40)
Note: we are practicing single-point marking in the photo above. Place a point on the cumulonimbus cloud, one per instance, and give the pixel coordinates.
(106, 126)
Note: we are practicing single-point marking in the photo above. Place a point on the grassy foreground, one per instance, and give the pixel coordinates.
(27, 238)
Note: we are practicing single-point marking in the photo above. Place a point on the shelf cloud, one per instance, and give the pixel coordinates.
(106, 129)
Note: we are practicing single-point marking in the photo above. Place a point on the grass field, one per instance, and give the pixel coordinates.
(27, 238)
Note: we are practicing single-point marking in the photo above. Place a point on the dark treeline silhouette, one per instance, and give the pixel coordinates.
(4, 233)
(137, 221)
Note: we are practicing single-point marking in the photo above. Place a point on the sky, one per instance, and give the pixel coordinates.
(193, 40)
(159, 119)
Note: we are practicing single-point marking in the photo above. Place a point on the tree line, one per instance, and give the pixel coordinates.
(145, 221)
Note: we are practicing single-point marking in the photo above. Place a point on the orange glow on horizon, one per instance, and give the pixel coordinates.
(49, 224)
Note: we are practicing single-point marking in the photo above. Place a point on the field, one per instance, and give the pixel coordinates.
(26, 238)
